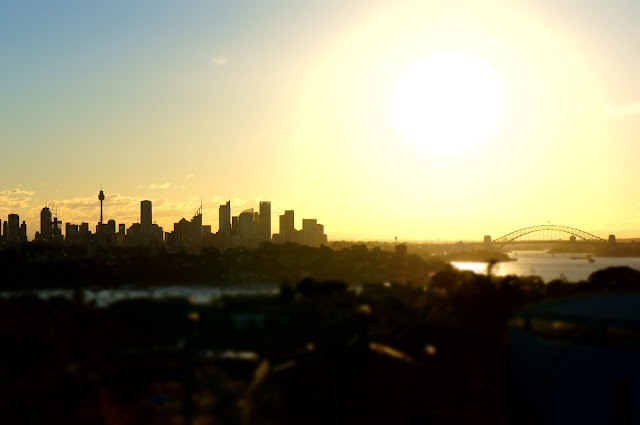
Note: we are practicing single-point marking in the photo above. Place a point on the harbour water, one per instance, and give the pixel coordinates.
(549, 266)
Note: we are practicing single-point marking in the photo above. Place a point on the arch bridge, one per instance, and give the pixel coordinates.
(546, 232)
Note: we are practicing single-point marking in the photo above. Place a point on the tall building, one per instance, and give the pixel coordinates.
(313, 233)
(186, 234)
(246, 226)
(71, 232)
(195, 227)
(287, 229)
(224, 218)
(23, 232)
(264, 221)
(12, 233)
(56, 229)
(45, 224)
(235, 224)
(146, 218)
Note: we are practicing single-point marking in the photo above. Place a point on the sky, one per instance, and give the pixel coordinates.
(416, 119)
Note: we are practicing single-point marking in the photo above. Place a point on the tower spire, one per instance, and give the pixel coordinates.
(101, 198)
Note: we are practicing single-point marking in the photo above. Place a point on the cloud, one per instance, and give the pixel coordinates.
(220, 60)
(190, 176)
(623, 110)
(17, 192)
(14, 200)
(161, 186)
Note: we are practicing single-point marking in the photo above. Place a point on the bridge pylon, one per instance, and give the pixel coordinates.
(488, 245)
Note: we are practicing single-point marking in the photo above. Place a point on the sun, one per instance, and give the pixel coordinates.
(448, 102)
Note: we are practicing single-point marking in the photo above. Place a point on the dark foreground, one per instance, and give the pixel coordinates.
(316, 354)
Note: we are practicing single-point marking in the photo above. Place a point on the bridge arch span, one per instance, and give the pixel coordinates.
(549, 229)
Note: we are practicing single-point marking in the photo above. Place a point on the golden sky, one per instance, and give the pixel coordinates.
(422, 120)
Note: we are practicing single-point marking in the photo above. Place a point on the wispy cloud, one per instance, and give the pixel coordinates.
(220, 60)
(161, 186)
(14, 200)
(17, 192)
(190, 176)
(623, 110)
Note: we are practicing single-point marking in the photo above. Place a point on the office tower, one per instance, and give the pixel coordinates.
(313, 233)
(235, 224)
(246, 226)
(45, 224)
(134, 234)
(23, 232)
(256, 220)
(287, 226)
(158, 233)
(224, 218)
(13, 229)
(71, 232)
(308, 230)
(111, 227)
(101, 198)
(264, 221)
(146, 218)
(195, 227)
(56, 229)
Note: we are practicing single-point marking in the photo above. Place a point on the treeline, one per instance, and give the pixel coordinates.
(319, 352)
(48, 266)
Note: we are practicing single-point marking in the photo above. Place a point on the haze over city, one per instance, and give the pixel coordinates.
(422, 120)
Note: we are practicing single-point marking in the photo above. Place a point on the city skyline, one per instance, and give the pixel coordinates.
(533, 120)
(50, 227)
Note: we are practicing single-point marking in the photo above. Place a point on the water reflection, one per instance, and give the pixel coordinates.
(549, 266)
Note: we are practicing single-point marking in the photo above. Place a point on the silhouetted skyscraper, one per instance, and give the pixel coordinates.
(287, 229)
(224, 218)
(45, 224)
(235, 224)
(195, 227)
(264, 221)
(71, 232)
(313, 233)
(246, 226)
(56, 229)
(13, 229)
(23, 232)
(146, 218)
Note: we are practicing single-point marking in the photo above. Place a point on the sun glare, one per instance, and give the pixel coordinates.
(448, 102)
